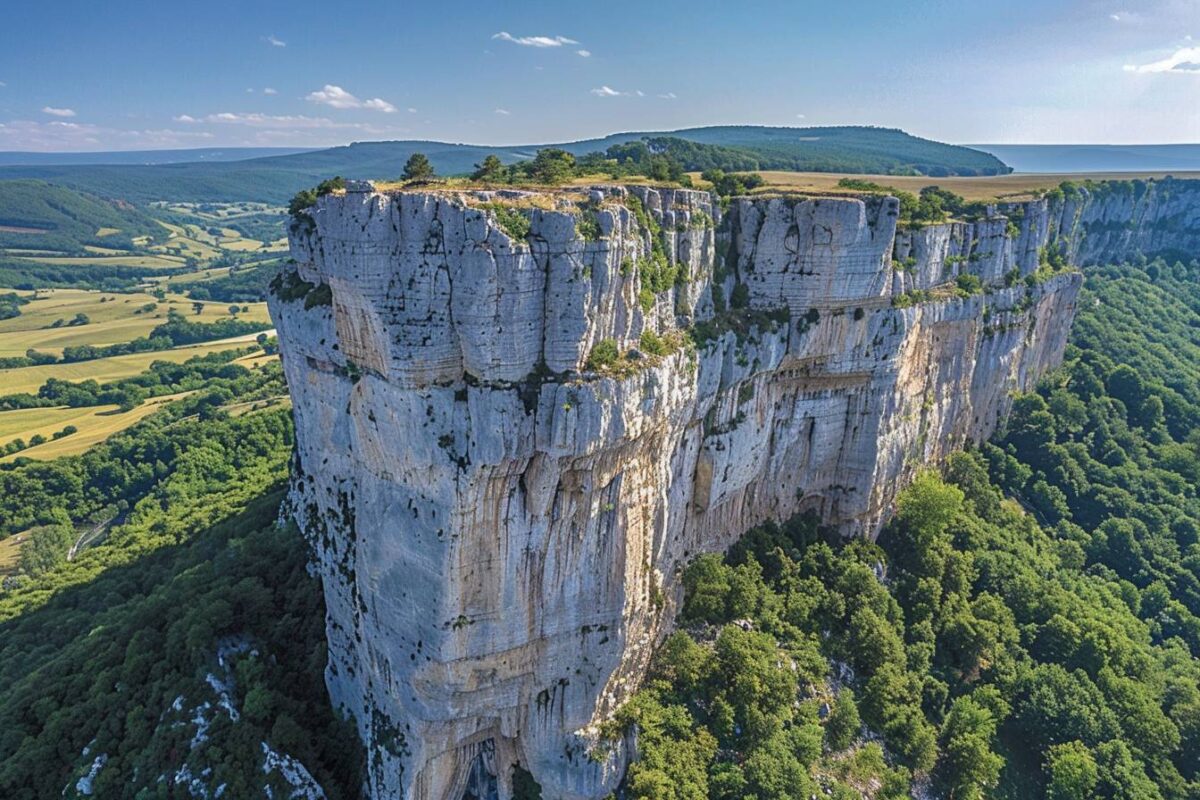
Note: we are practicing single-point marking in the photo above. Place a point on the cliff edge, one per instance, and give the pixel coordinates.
(518, 415)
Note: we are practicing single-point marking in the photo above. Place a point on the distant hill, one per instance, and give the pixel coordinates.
(1096, 157)
(41, 216)
(24, 158)
(276, 178)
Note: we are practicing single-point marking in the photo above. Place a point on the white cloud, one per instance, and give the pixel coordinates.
(584, 53)
(275, 41)
(337, 97)
(334, 96)
(608, 91)
(379, 104)
(58, 112)
(534, 41)
(668, 96)
(412, 110)
(258, 120)
(185, 118)
(504, 112)
(1184, 60)
(269, 90)
(799, 116)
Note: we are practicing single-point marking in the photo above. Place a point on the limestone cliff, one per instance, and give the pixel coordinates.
(500, 514)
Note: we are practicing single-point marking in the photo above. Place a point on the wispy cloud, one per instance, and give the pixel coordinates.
(534, 41)
(3, 84)
(608, 91)
(258, 120)
(337, 97)
(58, 135)
(58, 112)
(274, 41)
(584, 53)
(269, 90)
(1183, 60)
(411, 110)
(379, 104)
(668, 96)
(504, 112)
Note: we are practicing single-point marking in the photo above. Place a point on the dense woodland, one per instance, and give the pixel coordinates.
(1027, 625)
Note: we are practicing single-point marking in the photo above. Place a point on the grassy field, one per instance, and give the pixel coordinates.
(103, 370)
(132, 260)
(10, 552)
(95, 424)
(984, 188)
(113, 318)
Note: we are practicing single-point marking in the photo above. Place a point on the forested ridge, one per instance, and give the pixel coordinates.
(1027, 626)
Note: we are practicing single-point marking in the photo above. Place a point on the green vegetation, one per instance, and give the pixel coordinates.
(967, 284)
(511, 220)
(931, 205)
(10, 304)
(180, 330)
(307, 198)
(236, 286)
(111, 477)
(491, 170)
(99, 667)
(732, 185)
(1041, 649)
(28, 276)
(417, 168)
(604, 355)
(42, 216)
(162, 378)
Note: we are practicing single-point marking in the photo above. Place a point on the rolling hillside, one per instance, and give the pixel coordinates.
(39, 216)
(276, 178)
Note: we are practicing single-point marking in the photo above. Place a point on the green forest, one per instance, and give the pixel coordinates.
(1027, 625)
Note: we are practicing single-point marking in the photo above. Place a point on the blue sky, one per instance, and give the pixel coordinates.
(142, 74)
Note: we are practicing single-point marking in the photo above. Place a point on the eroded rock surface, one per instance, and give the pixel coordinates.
(500, 530)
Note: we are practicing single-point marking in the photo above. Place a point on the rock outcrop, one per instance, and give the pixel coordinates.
(519, 416)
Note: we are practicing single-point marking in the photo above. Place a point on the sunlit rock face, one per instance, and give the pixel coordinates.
(500, 529)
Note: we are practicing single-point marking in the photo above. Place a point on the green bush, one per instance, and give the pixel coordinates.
(604, 354)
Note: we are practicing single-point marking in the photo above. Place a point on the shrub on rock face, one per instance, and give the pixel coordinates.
(604, 354)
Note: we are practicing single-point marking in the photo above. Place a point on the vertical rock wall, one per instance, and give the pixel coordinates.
(500, 529)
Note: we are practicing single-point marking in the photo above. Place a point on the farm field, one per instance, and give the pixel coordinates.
(95, 424)
(104, 370)
(113, 318)
(131, 260)
(995, 187)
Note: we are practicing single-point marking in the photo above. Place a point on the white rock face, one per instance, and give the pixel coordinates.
(500, 532)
